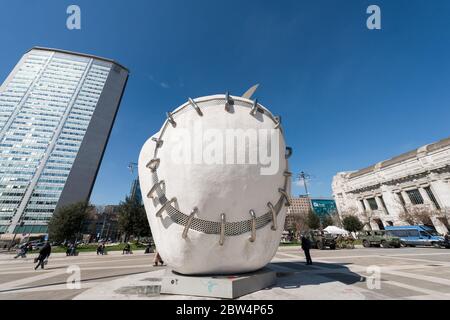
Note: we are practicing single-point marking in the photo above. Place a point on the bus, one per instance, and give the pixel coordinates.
(420, 235)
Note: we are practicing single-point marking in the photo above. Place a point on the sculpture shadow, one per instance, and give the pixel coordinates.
(291, 275)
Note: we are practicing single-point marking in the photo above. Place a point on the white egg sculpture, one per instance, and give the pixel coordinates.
(216, 185)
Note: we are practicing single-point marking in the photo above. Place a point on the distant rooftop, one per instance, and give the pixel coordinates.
(404, 156)
(80, 54)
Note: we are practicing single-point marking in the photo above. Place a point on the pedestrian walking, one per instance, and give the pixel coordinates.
(157, 260)
(44, 253)
(306, 246)
(100, 249)
(73, 252)
(69, 249)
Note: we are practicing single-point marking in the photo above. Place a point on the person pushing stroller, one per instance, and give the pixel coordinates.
(22, 252)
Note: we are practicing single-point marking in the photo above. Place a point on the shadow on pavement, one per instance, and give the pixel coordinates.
(301, 274)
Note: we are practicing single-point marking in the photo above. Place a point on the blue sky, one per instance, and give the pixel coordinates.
(348, 96)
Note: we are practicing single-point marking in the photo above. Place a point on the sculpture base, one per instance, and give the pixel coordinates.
(228, 287)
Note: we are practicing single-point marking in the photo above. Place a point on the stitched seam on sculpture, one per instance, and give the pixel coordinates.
(213, 227)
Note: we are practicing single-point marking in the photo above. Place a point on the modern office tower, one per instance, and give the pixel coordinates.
(57, 109)
(135, 192)
(300, 207)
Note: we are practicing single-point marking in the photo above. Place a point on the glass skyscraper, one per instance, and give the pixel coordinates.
(135, 192)
(57, 109)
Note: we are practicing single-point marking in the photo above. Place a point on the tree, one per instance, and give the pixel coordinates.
(91, 222)
(352, 223)
(326, 221)
(67, 222)
(351, 211)
(407, 217)
(132, 219)
(336, 219)
(312, 220)
(419, 214)
(298, 223)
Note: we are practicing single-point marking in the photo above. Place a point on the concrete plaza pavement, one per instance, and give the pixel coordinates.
(405, 273)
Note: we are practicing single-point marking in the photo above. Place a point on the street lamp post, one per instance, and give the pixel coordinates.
(303, 177)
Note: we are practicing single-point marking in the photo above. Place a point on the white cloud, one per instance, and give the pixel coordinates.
(164, 85)
(298, 183)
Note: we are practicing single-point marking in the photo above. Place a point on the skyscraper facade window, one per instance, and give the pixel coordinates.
(57, 109)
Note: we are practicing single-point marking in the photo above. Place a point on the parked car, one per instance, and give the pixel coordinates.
(320, 239)
(417, 235)
(377, 238)
(444, 244)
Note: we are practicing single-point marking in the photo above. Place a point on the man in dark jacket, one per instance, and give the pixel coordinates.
(306, 245)
(100, 249)
(44, 253)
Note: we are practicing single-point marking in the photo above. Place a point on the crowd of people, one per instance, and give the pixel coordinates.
(44, 253)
